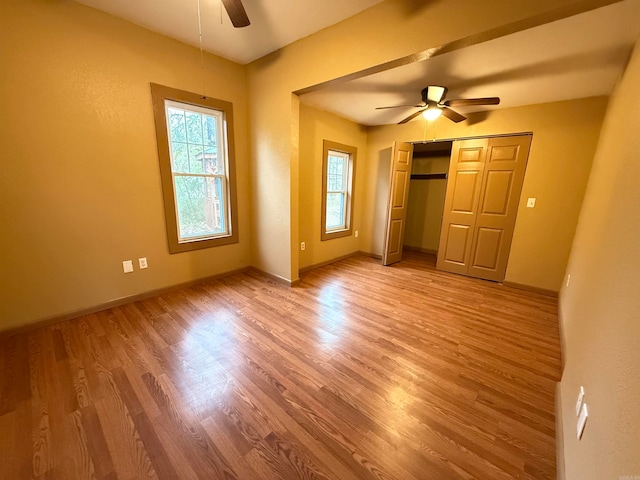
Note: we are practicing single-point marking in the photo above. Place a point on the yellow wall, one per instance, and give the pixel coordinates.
(600, 307)
(75, 100)
(426, 204)
(316, 126)
(80, 184)
(384, 32)
(565, 135)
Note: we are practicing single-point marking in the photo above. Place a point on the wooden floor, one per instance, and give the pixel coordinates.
(361, 372)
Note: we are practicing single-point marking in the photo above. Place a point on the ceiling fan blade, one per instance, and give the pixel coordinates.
(453, 115)
(400, 106)
(411, 117)
(463, 102)
(236, 12)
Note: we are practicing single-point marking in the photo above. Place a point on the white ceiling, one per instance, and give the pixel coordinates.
(577, 57)
(274, 23)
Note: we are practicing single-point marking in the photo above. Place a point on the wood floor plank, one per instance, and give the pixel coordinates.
(42, 461)
(152, 444)
(96, 443)
(8, 463)
(359, 372)
(197, 446)
(128, 454)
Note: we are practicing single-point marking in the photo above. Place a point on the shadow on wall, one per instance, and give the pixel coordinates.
(380, 207)
(477, 117)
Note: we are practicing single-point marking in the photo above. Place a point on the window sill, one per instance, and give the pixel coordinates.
(336, 234)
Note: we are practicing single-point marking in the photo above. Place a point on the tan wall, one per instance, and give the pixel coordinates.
(80, 187)
(79, 79)
(565, 135)
(387, 31)
(600, 307)
(426, 204)
(316, 126)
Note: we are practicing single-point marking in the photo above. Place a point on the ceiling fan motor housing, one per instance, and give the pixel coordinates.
(433, 94)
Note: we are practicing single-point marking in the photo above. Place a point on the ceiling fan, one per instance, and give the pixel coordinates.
(434, 104)
(236, 12)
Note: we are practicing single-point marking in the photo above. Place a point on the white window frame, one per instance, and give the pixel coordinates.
(345, 191)
(349, 153)
(221, 127)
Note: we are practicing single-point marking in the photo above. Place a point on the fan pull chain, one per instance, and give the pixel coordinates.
(204, 93)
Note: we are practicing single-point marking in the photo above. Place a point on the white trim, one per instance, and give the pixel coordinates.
(221, 151)
(346, 178)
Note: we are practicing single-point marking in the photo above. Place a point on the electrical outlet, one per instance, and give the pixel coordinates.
(356, 233)
(127, 266)
(142, 261)
(303, 245)
(531, 202)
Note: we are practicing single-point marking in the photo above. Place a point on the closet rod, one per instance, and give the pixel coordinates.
(428, 176)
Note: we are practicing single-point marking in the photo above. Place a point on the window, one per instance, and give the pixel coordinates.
(338, 168)
(195, 149)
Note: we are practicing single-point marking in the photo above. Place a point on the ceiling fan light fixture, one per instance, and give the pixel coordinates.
(432, 113)
(434, 105)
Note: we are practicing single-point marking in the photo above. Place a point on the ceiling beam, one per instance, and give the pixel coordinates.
(559, 13)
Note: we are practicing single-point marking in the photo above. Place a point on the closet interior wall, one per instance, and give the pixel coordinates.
(426, 196)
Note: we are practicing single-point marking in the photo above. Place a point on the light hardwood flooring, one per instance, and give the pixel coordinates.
(360, 372)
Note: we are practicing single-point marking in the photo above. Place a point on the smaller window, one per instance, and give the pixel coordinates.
(338, 169)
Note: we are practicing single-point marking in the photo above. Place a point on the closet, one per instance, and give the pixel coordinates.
(458, 199)
(425, 205)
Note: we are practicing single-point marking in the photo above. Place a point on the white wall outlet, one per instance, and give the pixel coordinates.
(127, 266)
(531, 202)
(303, 245)
(142, 261)
(582, 420)
(580, 400)
(356, 233)
(568, 279)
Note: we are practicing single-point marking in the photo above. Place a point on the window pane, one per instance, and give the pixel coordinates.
(335, 210)
(177, 129)
(336, 168)
(194, 127)
(200, 206)
(336, 164)
(213, 164)
(179, 157)
(196, 159)
(335, 183)
(210, 135)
